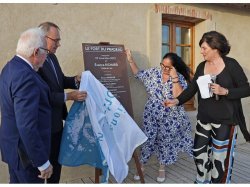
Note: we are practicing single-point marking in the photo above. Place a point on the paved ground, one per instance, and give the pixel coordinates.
(181, 172)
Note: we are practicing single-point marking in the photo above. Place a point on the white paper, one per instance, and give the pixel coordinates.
(203, 83)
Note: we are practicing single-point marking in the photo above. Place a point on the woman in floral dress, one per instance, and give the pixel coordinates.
(168, 129)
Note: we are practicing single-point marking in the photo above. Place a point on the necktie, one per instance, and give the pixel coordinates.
(53, 67)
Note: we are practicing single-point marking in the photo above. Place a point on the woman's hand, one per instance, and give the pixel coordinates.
(173, 73)
(129, 56)
(217, 89)
(131, 61)
(170, 102)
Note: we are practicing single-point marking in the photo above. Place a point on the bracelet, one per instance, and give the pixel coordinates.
(175, 77)
(175, 81)
(132, 62)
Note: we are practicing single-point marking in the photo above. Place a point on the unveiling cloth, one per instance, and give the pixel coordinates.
(99, 132)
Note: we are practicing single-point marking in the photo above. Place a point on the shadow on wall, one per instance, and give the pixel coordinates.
(246, 105)
(141, 61)
(137, 89)
(4, 174)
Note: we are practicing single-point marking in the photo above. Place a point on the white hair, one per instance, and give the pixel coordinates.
(29, 40)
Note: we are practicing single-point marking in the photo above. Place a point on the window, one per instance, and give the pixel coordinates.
(178, 37)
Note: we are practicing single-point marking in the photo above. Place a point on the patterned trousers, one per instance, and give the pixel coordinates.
(214, 152)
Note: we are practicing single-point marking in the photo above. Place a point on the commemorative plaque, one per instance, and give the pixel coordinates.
(107, 62)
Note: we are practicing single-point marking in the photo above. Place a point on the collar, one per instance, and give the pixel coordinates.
(24, 59)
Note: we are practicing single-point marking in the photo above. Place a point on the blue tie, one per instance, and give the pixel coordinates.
(53, 67)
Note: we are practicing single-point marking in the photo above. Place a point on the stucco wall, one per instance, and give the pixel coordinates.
(79, 23)
(137, 26)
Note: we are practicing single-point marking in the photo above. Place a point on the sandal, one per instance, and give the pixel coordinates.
(137, 177)
(161, 179)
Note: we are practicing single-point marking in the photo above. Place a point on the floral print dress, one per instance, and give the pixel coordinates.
(168, 128)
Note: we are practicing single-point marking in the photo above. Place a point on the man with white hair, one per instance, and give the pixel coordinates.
(25, 112)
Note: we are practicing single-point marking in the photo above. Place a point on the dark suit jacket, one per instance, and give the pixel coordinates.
(25, 114)
(59, 110)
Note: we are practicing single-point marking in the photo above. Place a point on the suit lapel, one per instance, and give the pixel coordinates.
(57, 69)
(51, 72)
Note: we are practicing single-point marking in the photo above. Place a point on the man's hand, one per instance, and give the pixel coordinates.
(77, 95)
(45, 174)
(78, 77)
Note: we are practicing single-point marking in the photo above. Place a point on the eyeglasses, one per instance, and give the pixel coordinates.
(55, 40)
(47, 51)
(165, 67)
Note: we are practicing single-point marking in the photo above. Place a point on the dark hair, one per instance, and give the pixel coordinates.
(217, 41)
(179, 65)
(45, 26)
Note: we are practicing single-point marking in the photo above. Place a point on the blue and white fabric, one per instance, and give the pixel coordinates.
(113, 137)
(79, 145)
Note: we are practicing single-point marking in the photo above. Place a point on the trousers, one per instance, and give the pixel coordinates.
(214, 147)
